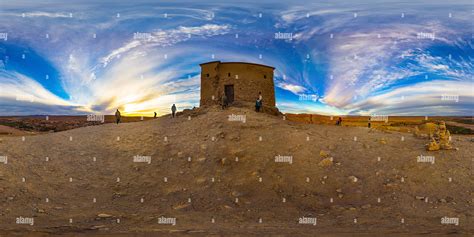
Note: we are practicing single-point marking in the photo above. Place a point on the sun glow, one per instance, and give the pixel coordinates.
(137, 109)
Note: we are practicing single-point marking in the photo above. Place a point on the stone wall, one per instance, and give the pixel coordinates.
(209, 83)
(248, 80)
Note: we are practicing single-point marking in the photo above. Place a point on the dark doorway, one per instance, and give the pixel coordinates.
(229, 93)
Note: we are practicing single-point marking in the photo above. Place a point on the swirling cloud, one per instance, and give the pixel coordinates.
(356, 58)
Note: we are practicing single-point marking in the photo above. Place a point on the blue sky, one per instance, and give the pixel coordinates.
(364, 57)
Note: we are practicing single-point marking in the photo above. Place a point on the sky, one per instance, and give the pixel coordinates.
(331, 57)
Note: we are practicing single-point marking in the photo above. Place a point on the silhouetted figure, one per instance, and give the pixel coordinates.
(224, 101)
(173, 110)
(118, 116)
(258, 105)
(368, 124)
(339, 121)
(155, 115)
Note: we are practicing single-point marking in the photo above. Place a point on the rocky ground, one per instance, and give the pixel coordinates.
(212, 174)
(32, 125)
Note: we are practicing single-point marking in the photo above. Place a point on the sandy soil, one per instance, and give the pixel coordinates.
(44, 124)
(457, 124)
(9, 131)
(217, 177)
(469, 126)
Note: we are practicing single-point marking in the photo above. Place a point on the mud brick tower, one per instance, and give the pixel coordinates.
(239, 81)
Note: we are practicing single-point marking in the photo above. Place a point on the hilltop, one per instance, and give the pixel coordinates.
(217, 174)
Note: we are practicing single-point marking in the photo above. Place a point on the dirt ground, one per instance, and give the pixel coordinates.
(456, 124)
(219, 176)
(6, 130)
(32, 125)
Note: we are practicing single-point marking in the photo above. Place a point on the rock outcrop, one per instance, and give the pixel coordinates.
(440, 139)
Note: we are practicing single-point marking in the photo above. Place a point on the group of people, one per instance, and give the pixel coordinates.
(224, 104)
(118, 115)
(339, 122)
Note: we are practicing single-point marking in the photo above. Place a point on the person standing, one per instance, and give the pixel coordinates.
(257, 105)
(368, 124)
(155, 115)
(173, 110)
(224, 101)
(260, 98)
(118, 116)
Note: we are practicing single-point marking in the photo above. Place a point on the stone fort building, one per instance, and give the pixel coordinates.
(239, 81)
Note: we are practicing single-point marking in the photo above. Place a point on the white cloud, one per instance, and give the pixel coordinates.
(419, 99)
(15, 86)
(44, 14)
(308, 107)
(361, 61)
(163, 38)
(295, 89)
(298, 13)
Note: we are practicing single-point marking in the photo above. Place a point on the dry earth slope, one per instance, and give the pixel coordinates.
(219, 176)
